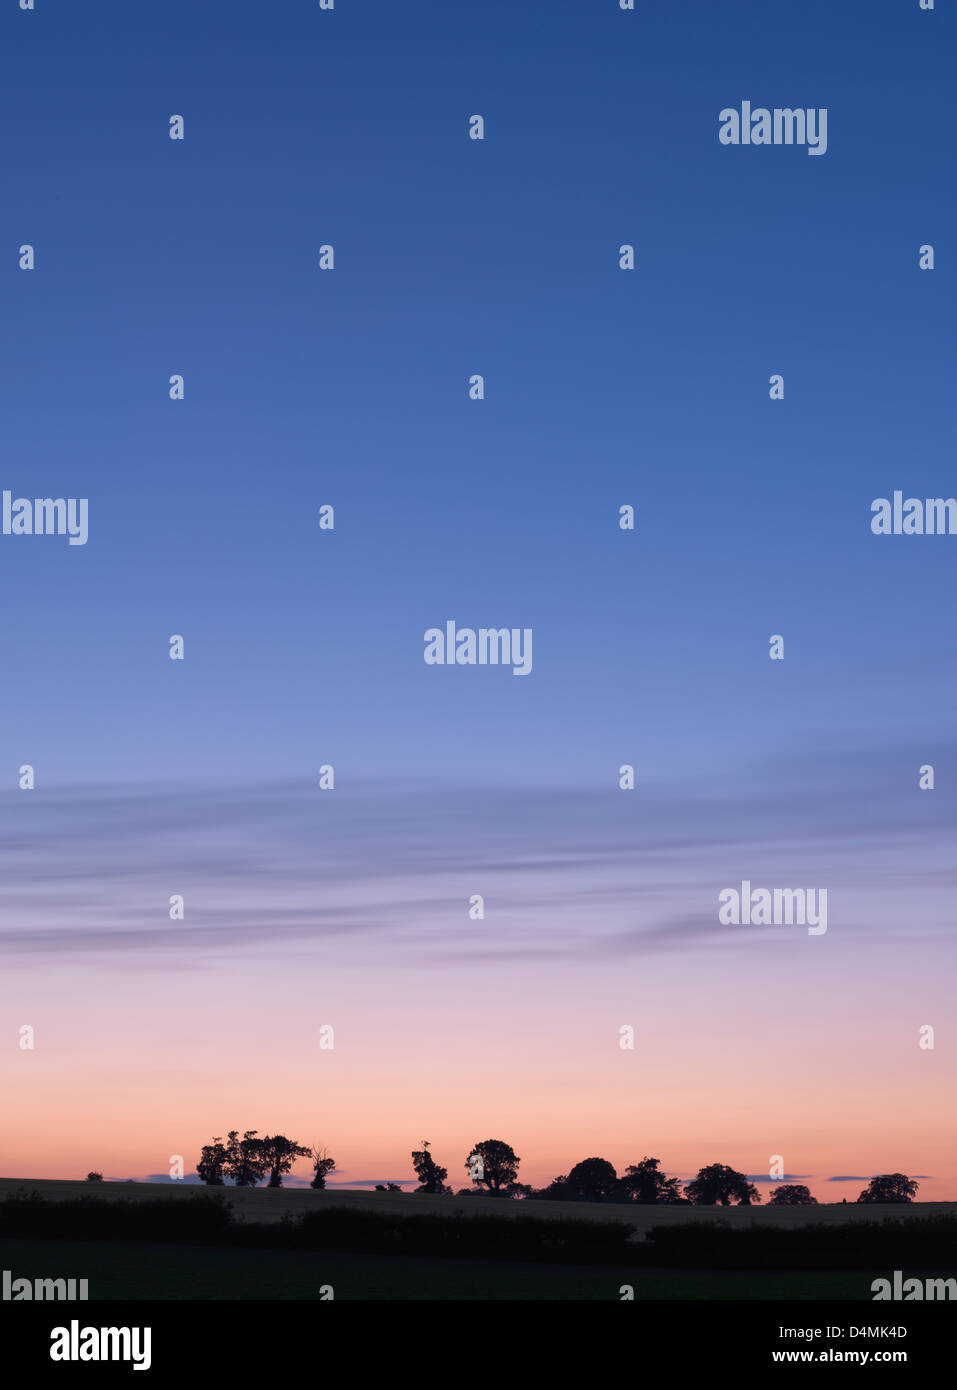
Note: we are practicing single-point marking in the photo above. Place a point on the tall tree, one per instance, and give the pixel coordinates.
(643, 1182)
(493, 1163)
(244, 1161)
(212, 1163)
(890, 1187)
(428, 1172)
(719, 1183)
(278, 1154)
(592, 1180)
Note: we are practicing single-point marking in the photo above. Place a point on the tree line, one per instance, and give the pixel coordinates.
(493, 1168)
(247, 1160)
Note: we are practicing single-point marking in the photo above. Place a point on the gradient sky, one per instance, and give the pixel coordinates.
(304, 647)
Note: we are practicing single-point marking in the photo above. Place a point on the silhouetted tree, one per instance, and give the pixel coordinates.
(387, 1187)
(244, 1161)
(322, 1166)
(642, 1182)
(278, 1154)
(592, 1180)
(890, 1187)
(792, 1194)
(94, 1177)
(718, 1183)
(556, 1191)
(428, 1172)
(212, 1162)
(499, 1164)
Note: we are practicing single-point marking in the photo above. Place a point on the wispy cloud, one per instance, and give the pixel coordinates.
(788, 1177)
(921, 1177)
(565, 872)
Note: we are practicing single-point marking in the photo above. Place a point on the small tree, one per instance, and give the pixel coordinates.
(792, 1194)
(322, 1166)
(890, 1187)
(494, 1163)
(719, 1183)
(556, 1191)
(278, 1154)
(430, 1175)
(94, 1177)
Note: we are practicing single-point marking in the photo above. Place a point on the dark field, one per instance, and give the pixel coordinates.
(121, 1270)
(144, 1241)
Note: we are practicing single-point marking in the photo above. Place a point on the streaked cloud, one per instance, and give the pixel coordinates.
(565, 871)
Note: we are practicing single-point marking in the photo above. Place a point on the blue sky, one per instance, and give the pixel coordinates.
(604, 387)
(349, 387)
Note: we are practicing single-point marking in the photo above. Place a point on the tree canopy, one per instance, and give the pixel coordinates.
(249, 1159)
(792, 1194)
(643, 1182)
(890, 1187)
(278, 1154)
(719, 1184)
(497, 1164)
(592, 1180)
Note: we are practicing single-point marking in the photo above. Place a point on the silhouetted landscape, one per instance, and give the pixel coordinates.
(587, 1234)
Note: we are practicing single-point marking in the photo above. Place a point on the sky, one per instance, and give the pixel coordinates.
(303, 388)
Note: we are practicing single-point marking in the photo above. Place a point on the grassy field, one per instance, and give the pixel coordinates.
(263, 1204)
(121, 1270)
